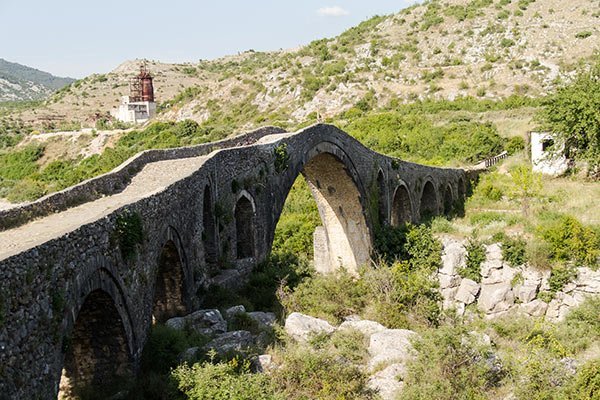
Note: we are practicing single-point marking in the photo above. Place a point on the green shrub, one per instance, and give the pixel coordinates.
(570, 240)
(583, 34)
(331, 297)
(515, 144)
(451, 364)
(475, 256)
(129, 233)
(586, 385)
(560, 276)
(513, 250)
(308, 374)
(224, 380)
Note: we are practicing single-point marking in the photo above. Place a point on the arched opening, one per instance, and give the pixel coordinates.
(244, 228)
(209, 233)
(381, 198)
(401, 208)
(168, 292)
(97, 356)
(429, 203)
(344, 239)
(448, 201)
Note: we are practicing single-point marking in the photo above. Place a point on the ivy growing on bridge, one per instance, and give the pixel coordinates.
(282, 158)
(128, 234)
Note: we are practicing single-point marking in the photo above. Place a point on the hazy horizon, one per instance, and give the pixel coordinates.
(71, 39)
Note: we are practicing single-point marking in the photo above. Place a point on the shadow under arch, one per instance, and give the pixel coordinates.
(382, 197)
(209, 233)
(344, 239)
(448, 201)
(245, 230)
(169, 290)
(401, 206)
(428, 206)
(99, 345)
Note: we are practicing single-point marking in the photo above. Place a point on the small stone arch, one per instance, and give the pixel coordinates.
(381, 198)
(209, 230)
(169, 290)
(429, 201)
(401, 206)
(98, 351)
(448, 201)
(244, 215)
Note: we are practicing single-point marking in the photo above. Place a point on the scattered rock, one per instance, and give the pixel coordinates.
(365, 327)
(467, 292)
(535, 308)
(388, 382)
(263, 363)
(391, 345)
(189, 355)
(526, 293)
(231, 341)
(454, 257)
(205, 322)
(301, 327)
(496, 297)
(264, 319)
(233, 311)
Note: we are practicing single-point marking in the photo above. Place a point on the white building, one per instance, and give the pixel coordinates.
(545, 156)
(134, 112)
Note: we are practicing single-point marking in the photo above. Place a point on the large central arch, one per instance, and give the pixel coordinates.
(344, 239)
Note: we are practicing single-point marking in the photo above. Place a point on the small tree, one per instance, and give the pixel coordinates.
(527, 185)
(573, 114)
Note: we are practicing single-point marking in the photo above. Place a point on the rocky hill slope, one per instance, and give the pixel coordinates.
(440, 49)
(19, 82)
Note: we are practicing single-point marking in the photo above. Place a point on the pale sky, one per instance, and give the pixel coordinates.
(79, 37)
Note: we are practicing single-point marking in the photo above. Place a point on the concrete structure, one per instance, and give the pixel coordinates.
(81, 285)
(545, 157)
(134, 112)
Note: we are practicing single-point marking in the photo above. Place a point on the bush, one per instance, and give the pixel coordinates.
(515, 144)
(560, 276)
(308, 374)
(224, 380)
(475, 256)
(451, 364)
(513, 250)
(570, 240)
(586, 385)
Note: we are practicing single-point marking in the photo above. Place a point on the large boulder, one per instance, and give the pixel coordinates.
(391, 346)
(467, 292)
(231, 312)
(204, 322)
(366, 327)
(237, 341)
(302, 327)
(535, 308)
(388, 382)
(493, 259)
(265, 320)
(454, 256)
(496, 297)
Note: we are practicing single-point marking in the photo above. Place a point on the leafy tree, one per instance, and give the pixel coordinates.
(573, 114)
(527, 185)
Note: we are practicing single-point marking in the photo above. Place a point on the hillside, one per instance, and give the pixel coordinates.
(483, 48)
(19, 82)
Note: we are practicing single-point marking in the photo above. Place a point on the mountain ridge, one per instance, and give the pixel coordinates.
(19, 82)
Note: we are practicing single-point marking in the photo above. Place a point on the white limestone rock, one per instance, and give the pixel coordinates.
(526, 293)
(206, 322)
(265, 320)
(497, 297)
(448, 281)
(366, 327)
(231, 341)
(388, 382)
(535, 308)
(454, 256)
(391, 345)
(233, 311)
(467, 292)
(301, 327)
(493, 259)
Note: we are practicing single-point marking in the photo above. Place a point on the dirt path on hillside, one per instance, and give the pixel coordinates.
(152, 179)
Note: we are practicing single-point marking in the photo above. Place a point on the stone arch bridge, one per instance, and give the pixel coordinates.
(85, 272)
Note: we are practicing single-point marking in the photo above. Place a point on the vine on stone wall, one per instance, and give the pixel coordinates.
(129, 233)
(282, 158)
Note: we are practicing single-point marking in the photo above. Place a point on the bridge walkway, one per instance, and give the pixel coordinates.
(153, 178)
